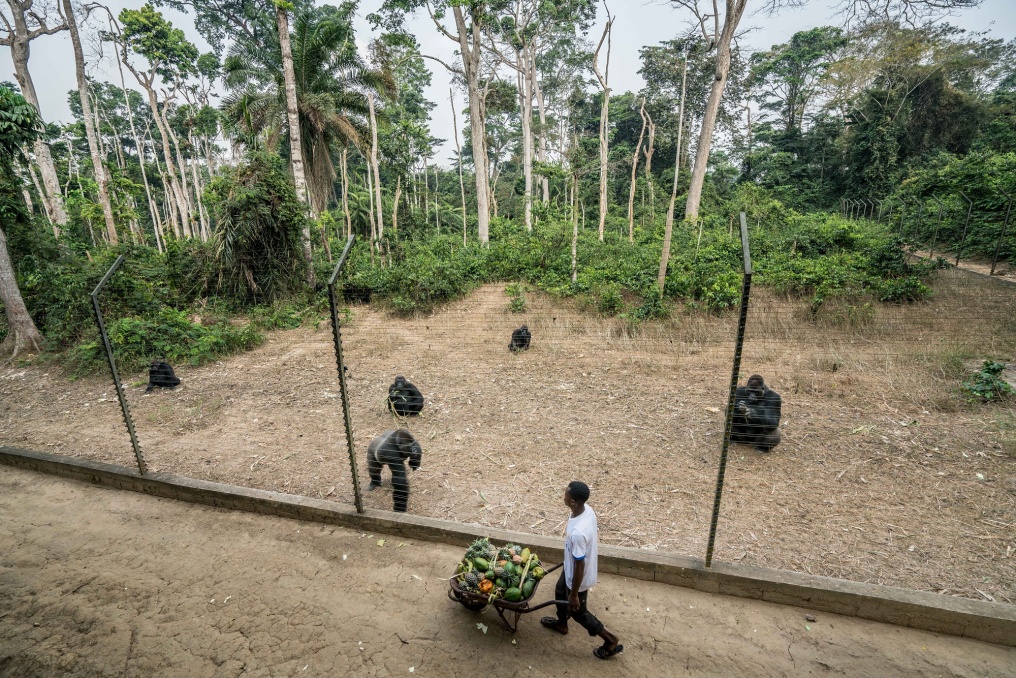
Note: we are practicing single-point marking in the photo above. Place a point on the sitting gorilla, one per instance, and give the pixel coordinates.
(520, 339)
(757, 410)
(404, 398)
(161, 374)
(392, 448)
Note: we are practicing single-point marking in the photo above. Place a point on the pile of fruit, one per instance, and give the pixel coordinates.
(509, 572)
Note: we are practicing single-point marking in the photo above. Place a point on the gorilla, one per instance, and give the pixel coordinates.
(161, 374)
(757, 410)
(520, 339)
(392, 448)
(404, 398)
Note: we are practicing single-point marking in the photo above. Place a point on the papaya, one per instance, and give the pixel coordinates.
(525, 555)
(481, 564)
(501, 583)
(538, 573)
(513, 595)
(527, 588)
(490, 575)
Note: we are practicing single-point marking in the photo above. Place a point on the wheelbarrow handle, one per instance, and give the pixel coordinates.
(547, 603)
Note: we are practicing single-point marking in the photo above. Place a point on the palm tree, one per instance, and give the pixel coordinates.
(332, 82)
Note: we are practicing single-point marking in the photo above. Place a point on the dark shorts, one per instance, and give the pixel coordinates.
(583, 617)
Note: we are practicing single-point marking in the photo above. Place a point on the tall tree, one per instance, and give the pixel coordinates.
(20, 125)
(26, 23)
(168, 53)
(603, 79)
(467, 31)
(98, 167)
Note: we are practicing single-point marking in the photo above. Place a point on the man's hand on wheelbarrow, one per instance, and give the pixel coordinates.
(573, 601)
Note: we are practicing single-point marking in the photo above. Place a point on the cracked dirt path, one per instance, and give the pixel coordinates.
(96, 582)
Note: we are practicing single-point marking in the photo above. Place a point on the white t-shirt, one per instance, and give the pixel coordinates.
(580, 544)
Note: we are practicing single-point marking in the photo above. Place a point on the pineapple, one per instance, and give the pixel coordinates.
(472, 580)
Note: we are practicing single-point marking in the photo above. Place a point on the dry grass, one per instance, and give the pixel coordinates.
(885, 475)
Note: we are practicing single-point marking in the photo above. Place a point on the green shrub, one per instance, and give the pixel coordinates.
(988, 385)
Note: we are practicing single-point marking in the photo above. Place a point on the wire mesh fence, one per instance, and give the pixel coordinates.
(886, 473)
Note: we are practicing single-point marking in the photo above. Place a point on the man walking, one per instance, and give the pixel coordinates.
(579, 574)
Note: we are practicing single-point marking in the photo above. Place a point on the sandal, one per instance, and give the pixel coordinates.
(604, 652)
(552, 624)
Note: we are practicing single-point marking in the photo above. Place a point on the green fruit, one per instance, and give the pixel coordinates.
(538, 573)
(525, 555)
(527, 588)
(501, 583)
(490, 575)
(513, 595)
(481, 564)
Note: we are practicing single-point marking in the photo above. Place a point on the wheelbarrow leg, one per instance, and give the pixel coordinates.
(508, 625)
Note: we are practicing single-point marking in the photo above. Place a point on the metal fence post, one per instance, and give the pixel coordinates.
(341, 365)
(728, 422)
(903, 216)
(938, 225)
(879, 212)
(1001, 235)
(966, 225)
(142, 466)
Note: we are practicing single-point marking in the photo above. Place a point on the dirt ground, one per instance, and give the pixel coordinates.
(885, 474)
(96, 582)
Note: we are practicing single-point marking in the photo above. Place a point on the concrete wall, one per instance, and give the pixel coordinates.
(989, 622)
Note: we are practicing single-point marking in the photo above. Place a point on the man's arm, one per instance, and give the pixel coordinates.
(577, 577)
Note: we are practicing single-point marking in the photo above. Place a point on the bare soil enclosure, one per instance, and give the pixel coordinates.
(885, 474)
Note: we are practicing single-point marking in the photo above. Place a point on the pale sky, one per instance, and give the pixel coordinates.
(637, 24)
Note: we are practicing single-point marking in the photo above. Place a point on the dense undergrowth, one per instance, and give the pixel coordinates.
(179, 306)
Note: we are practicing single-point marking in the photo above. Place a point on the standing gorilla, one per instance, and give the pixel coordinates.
(520, 339)
(757, 411)
(392, 448)
(404, 398)
(161, 374)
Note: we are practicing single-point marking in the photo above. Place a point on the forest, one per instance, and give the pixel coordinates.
(232, 179)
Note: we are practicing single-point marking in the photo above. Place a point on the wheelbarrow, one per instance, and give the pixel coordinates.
(508, 611)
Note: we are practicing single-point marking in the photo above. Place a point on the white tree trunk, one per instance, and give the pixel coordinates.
(374, 166)
(668, 229)
(295, 140)
(23, 336)
(734, 11)
(541, 107)
(526, 109)
(458, 152)
(634, 169)
(345, 193)
(470, 46)
(603, 79)
(171, 180)
(98, 167)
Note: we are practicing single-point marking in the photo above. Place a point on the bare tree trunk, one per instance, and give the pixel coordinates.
(668, 230)
(24, 336)
(295, 141)
(374, 165)
(575, 228)
(426, 193)
(42, 197)
(198, 190)
(526, 110)
(458, 153)
(171, 179)
(734, 11)
(19, 39)
(192, 229)
(395, 204)
(345, 193)
(649, 162)
(152, 208)
(541, 149)
(603, 79)
(370, 196)
(634, 169)
(437, 202)
(98, 167)
(471, 54)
